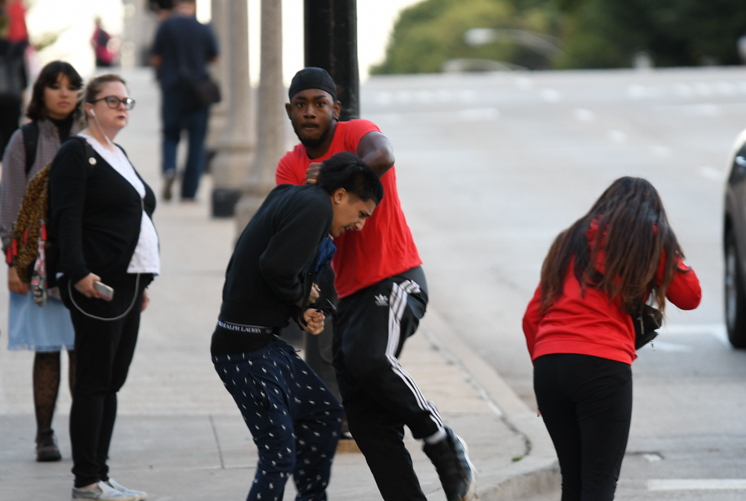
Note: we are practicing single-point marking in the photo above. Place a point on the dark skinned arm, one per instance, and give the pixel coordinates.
(374, 149)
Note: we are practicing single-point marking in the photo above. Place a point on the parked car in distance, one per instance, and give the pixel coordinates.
(734, 245)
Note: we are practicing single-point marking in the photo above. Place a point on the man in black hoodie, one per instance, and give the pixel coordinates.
(292, 415)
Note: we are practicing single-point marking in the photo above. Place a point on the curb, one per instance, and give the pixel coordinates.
(537, 472)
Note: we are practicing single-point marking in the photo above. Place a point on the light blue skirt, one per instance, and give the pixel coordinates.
(35, 328)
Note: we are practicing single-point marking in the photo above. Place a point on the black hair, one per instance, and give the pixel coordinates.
(48, 76)
(346, 170)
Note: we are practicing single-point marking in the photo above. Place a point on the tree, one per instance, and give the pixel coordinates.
(592, 33)
(432, 32)
(608, 33)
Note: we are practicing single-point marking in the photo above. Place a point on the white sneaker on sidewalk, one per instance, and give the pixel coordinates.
(124, 490)
(102, 492)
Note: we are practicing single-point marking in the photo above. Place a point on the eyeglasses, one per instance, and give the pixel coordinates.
(113, 102)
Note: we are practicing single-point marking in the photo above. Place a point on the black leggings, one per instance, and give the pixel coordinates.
(586, 404)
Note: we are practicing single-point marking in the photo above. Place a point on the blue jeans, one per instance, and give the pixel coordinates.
(294, 418)
(177, 115)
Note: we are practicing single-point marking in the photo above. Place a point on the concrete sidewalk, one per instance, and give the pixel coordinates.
(179, 435)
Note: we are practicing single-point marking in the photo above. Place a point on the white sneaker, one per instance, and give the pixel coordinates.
(102, 492)
(140, 495)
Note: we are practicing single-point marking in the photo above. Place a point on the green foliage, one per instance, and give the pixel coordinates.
(607, 33)
(432, 32)
(593, 33)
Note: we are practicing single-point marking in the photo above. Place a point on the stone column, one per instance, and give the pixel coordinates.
(137, 34)
(234, 147)
(219, 112)
(270, 116)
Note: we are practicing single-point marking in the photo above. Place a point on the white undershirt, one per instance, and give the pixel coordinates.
(145, 258)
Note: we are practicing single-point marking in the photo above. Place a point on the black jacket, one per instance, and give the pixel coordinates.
(95, 214)
(264, 279)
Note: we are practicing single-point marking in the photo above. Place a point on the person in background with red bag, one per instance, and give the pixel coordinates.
(100, 43)
(579, 328)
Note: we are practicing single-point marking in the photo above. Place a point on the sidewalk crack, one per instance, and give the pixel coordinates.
(217, 442)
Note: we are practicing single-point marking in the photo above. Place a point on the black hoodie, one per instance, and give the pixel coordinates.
(264, 279)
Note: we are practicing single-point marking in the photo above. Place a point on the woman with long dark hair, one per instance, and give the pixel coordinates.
(579, 328)
(54, 115)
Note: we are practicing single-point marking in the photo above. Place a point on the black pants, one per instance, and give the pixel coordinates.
(380, 398)
(586, 404)
(292, 415)
(104, 351)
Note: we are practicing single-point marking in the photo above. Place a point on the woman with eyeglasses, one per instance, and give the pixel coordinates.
(54, 115)
(101, 213)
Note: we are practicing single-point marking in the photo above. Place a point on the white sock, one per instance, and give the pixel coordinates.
(436, 437)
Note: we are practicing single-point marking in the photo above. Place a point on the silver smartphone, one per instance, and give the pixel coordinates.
(106, 292)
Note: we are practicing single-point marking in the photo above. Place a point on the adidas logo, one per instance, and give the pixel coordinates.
(381, 300)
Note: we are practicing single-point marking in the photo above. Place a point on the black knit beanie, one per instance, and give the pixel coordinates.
(312, 78)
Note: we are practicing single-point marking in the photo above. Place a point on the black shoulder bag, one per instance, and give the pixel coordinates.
(646, 324)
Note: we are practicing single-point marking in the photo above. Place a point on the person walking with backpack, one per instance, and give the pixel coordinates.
(47, 331)
(101, 226)
(580, 331)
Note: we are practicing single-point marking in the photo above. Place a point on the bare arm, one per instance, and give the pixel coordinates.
(374, 149)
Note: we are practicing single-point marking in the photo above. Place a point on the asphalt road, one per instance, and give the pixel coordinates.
(492, 167)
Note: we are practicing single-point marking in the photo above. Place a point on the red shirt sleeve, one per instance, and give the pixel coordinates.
(285, 173)
(684, 291)
(531, 320)
(354, 132)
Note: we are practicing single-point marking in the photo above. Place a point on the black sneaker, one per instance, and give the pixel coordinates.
(457, 475)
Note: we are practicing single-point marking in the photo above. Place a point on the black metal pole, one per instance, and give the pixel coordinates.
(330, 41)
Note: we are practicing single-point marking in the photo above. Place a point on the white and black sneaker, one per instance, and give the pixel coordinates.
(102, 492)
(140, 495)
(457, 475)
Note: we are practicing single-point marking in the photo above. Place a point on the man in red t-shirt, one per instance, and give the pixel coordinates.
(382, 297)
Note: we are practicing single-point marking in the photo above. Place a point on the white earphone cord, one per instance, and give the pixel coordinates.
(93, 114)
(134, 299)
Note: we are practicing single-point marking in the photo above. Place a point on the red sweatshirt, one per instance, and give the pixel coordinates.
(595, 325)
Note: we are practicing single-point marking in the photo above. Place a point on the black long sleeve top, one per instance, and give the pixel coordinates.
(265, 276)
(95, 213)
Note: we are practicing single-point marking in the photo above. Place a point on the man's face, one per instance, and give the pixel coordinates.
(311, 112)
(350, 213)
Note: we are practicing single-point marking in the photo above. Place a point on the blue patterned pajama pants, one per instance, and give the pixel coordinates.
(294, 418)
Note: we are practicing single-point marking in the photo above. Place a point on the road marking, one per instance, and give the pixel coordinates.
(617, 136)
(523, 83)
(666, 347)
(474, 114)
(551, 95)
(710, 484)
(718, 331)
(661, 151)
(712, 173)
(703, 89)
(584, 115)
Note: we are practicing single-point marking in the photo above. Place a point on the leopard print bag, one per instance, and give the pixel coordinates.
(30, 227)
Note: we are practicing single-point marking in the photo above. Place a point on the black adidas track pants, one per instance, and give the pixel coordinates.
(380, 398)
